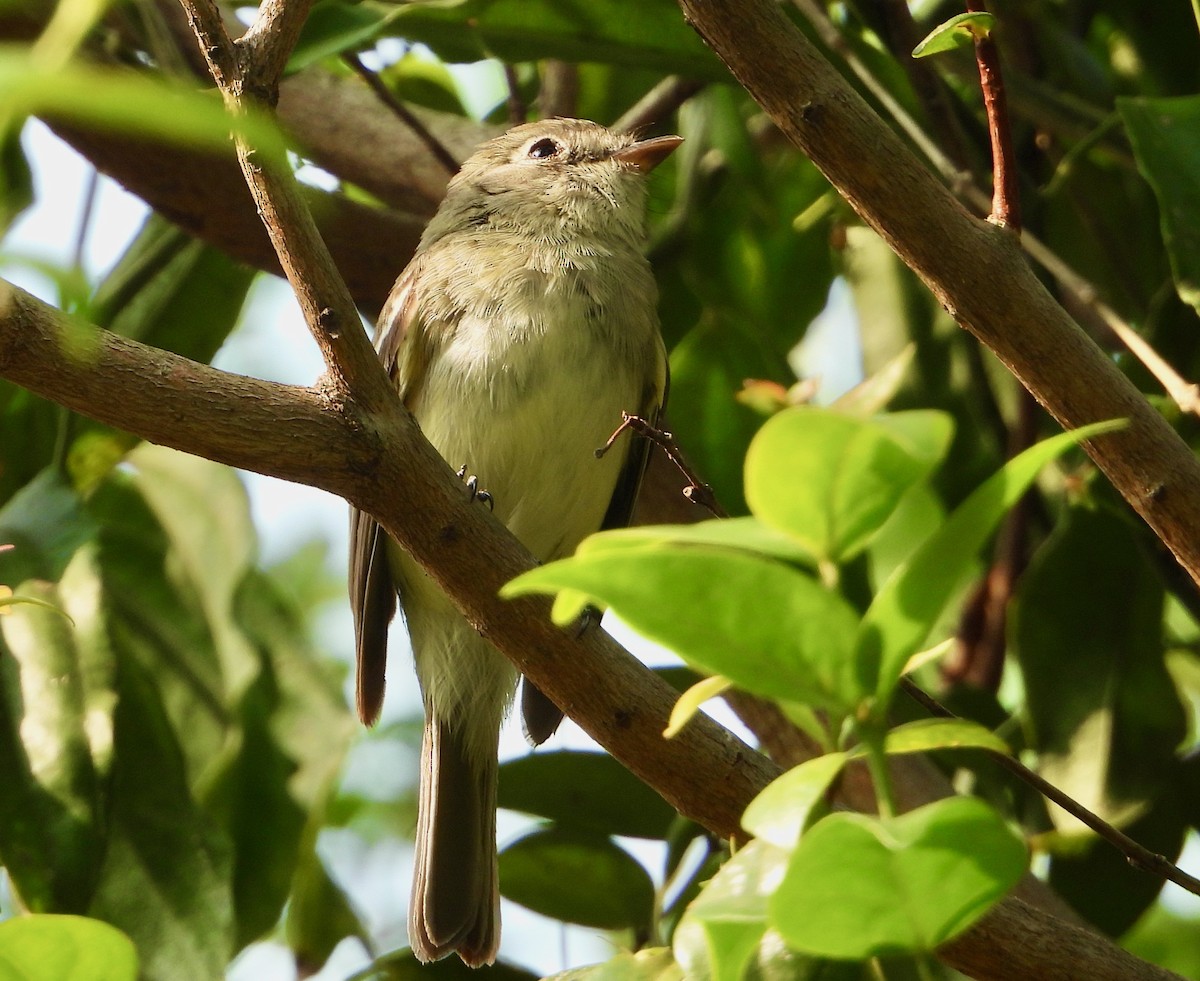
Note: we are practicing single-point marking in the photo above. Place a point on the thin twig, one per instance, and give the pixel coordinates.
(403, 113)
(559, 93)
(268, 44)
(1006, 206)
(1185, 394)
(247, 77)
(697, 491)
(518, 112)
(1137, 856)
(662, 100)
(981, 644)
(88, 210)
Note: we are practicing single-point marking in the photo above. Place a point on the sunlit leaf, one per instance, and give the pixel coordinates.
(850, 884)
(956, 32)
(125, 102)
(781, 812)
(726, 925)
(830, 481)
(647, 964)
(692, 700)
(906, 607)
(929, 734)
(704, 602)
(65, 948)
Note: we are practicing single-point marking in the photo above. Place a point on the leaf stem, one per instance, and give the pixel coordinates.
(877, 765)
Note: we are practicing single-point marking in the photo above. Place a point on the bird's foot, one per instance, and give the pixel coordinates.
(475, 492)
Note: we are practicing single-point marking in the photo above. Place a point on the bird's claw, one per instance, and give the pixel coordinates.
(474, 491)
(590, 617)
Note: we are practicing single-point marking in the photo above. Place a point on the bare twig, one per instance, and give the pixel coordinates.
(1137, 856)
(517, 110)
(1085, 294)
(249, 79)
(559, 93)
(1006, 208)
(978, 275)
(981, 644)
(697, 491)
(401, 112)
(662, 100)
(267, 45)
(390, 470)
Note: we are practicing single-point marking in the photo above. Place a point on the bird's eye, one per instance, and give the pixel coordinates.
(543, 149)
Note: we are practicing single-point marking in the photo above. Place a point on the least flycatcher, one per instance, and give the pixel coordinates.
(524, 325)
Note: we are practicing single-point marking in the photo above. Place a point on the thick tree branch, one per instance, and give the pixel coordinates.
(975, 269)
(388, 468)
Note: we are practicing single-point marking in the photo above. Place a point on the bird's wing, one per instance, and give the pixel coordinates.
(372, 586)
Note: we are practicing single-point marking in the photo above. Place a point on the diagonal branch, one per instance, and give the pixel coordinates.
(705, 772)
(315, 437)
(974, 268)
(249, 80)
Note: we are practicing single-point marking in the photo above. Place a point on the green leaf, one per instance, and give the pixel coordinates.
(167, 290)
(46, 522)
(1103, 709)
(65, 948)
(127, 102)
(16, 179)
(647, 964)
(319, 913)
(748, 533)
(166, 876)
(691, 701)
(51, 814)
(251, 798)
(584, 791)
(857, 886)
(203, 510)
(333, 27)
(958, 31)
(1097, 880)
(929, 734)
(726, 923)
(633, 33)
(909, 603)
(830, 480)
(705, 603)
(579, 878)
(708, 367)
(1165, 134)
(785, 807)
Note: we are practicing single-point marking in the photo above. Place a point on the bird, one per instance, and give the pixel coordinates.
(524, 325)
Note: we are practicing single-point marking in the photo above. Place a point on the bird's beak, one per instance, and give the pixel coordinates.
(645, 155)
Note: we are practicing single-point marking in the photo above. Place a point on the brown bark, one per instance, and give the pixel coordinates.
(975, 269)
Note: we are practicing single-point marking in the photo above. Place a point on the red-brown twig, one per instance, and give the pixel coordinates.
(1006, 208)
(697, 491)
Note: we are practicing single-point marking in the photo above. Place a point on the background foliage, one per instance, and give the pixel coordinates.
(172, 741)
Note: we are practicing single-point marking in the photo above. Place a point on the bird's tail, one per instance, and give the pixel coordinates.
(455, 905)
